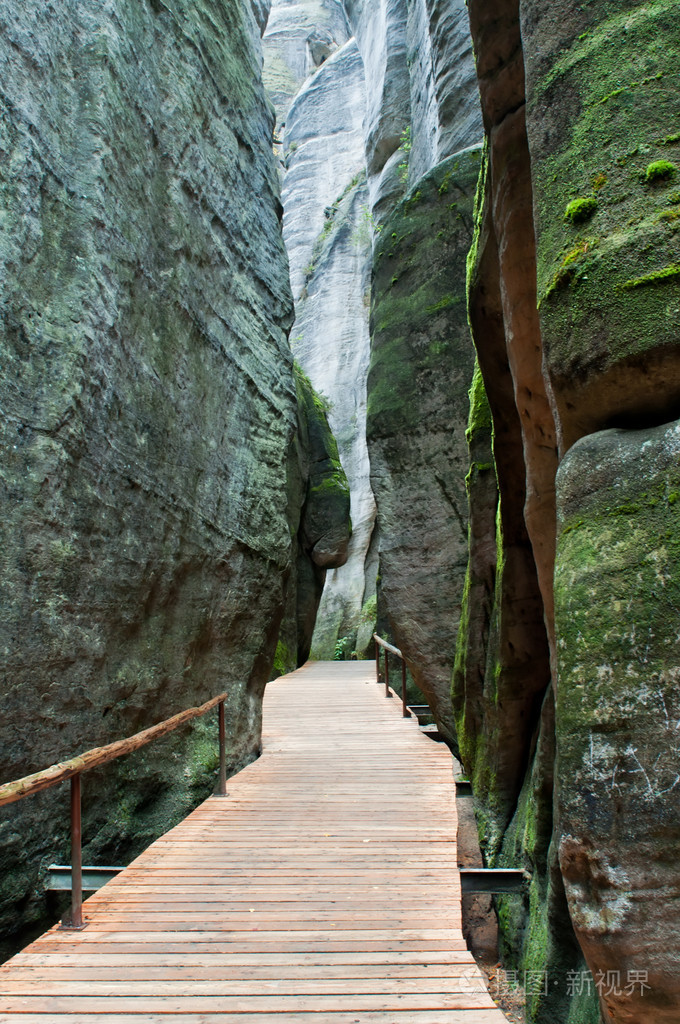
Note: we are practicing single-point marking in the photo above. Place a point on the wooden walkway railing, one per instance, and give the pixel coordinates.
(323, 890)
(19, 789)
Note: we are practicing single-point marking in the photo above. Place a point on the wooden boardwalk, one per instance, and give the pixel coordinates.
(324, 888)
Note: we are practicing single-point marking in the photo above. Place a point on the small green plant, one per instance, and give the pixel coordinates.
(578, 211)
(405, 146)
(366, 227)
(343, 645)
(660, 170)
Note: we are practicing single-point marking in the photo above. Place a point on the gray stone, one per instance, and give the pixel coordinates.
(148, 407)
(422, 362)
(328, 229)
(617, 594)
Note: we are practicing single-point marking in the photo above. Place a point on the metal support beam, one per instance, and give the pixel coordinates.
(92, 878)
(493, 880)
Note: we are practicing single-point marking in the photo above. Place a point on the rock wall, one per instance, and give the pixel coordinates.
(421, 368)
(550, 606)
(327, 229)
(618, 709)
(423, 122)
(576, 217)
(299, 37)
(319, 515)
(148, 409)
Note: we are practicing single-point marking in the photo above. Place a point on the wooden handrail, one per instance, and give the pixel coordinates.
(379, 642)
(73, 769)
(389, 647)
(20, 788)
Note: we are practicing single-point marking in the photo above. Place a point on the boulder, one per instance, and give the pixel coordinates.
(618, 712)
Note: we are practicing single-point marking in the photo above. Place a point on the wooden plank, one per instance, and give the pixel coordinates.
(301, 975)
(272, 1005)
(311, 894)
(439, 1016)
(288, 988)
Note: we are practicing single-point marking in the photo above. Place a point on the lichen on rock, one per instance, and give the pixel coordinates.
(421, 368)
(148, 409)
(618, 711)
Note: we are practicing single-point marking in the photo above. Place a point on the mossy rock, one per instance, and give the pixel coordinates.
(603, 96)
(617, 590)
(418, 318)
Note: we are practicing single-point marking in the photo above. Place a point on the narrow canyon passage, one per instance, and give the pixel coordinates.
(321, 319)
(323, 887)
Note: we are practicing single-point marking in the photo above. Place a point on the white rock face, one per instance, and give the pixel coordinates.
(454, 76)
(300, 35)
(380, 30)
(362, 119)
(324, 147)
(425, 134)
(327, 230)
(420, 74)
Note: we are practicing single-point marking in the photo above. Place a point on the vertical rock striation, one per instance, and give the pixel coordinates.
(148, 406)
(327, 228)
(421, 367)
(576, 218)
(423, 121)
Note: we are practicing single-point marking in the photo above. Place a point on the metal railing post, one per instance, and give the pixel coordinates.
(222, 790)
(377, 662)
(404, 710)
(387, 674)
(76, 857)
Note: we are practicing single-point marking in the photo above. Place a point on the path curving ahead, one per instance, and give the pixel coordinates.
(324, 888)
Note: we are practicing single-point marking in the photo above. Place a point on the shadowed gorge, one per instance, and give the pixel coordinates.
(343, 317)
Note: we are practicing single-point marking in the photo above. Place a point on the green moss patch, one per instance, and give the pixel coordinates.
(419, 330)
(611, 99)
(658, 277)
(578, 211)
(660, 170)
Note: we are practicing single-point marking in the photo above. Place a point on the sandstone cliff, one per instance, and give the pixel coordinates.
(327, 230)
(149, 409)
(575, 312)
(421, 368)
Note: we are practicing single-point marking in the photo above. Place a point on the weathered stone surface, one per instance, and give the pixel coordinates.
(380, 31)
(455, 78)
(327, 227)
(445, 112)
(420, 79)
(300, 36)
(472, 642)
(502, 695)
(319, 515)
(421, 369)
(516, 671)
(604, 103)
(148, 406)
(618, 708)
(324, 154)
